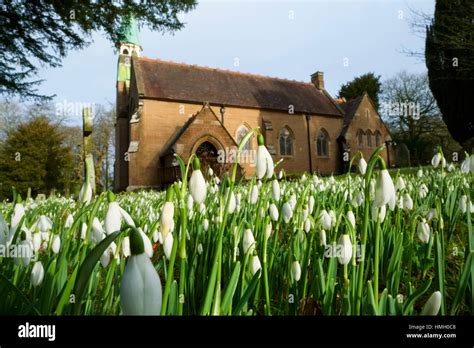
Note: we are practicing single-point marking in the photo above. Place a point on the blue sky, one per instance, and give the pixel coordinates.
(288, 39)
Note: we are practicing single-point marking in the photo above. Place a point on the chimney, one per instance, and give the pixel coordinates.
(318, 79)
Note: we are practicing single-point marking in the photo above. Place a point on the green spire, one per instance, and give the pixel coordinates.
(128, 31)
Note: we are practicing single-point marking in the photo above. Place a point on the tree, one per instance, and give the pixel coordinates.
(103, 137)
(410, 111)
(34, 156)
(36, 33)
(449, 56)
(369, 83)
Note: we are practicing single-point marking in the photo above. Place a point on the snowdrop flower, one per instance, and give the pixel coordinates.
(114, 216)
(55, 246)
(273, 212)
(210, 172)
(189, 204)
(276, 190)
(264, 160)
(378, 211)
(248, 242)
(384, 189)
(463, 204)
(450, 167)
(436, 160)
(18, 213)
(168, 245)
(140, 289)
(36, 240)
(432, 214)
(423, 191)
(232, 202)
(325, 219)
(407, 202)
(287, 212)
(254, 195)
(146, 243)
(69, 221)
(400, 184)
(27, 247)
(37, 274)
(295, 271)
(255, 264)
(268, 230)
(97, 231)
(419, 173)
(126, 252)
(107, 254)
(332, 215)
(199, 249)
(362, 166)
(83, 231)
(85, 195)
(44, 223)
(167, 213)
(280, 174)
(432, 305)
(351, 218)
(205, 224)
(307, 225)
(197, 184)
(345, 249)
(311, 204)
(322, 235)
(423, 231)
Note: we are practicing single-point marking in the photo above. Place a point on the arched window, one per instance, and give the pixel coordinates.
(367, 113)
(286, 142)
(369, 138)
(378, 138)
(322, 143)
(360, 138)
(241, 132)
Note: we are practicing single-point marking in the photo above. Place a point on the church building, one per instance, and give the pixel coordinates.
(167, 108)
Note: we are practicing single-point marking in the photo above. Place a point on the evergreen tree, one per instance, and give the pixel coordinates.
(369, 83)
(449, 56)
(35, 156)
(36, 33)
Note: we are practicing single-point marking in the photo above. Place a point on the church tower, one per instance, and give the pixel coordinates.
(128, 46)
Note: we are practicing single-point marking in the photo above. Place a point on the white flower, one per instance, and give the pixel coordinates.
(280, 175)
(248, 241)
(232, 202)
(27, 247)
(205, 224)
(436, 159)
(167, 214)
(97, 231)
(168, 245)
(344, 250)
(362, 166)
(287, 212)
(325, 220)
(423, 191)
(463, 204)
(107, 254)
(307, 225)
(199, 249)
(36, 240)
(37, 274)
(69, 221)
(465, 165)
(419, 173)
(351, 218)
(295, 271)
(146, 243)
(197, 184)
(255, 265)
(210, 172)
(432, 305)
(254, 195)
(450, 167)
(384, 189)
(126, 252)
(311, 204)
(85, 195)
(407, 202)
(276, 190)
(378, 211)
(56, 244)
(189, 204)
(44, 223)
(423, 231)
(264, 165)
(18, 213)
(268, 230)
(400, 184)
(322, 235)
(140, 289)
(113, 218)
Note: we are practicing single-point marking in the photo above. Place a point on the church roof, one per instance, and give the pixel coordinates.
(350, 107)
(164, 80)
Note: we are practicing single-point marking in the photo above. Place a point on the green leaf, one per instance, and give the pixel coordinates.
(248, 292)
(20, 294)
(87, 267)
(408, 308)
(460, 291)
(230, 290)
